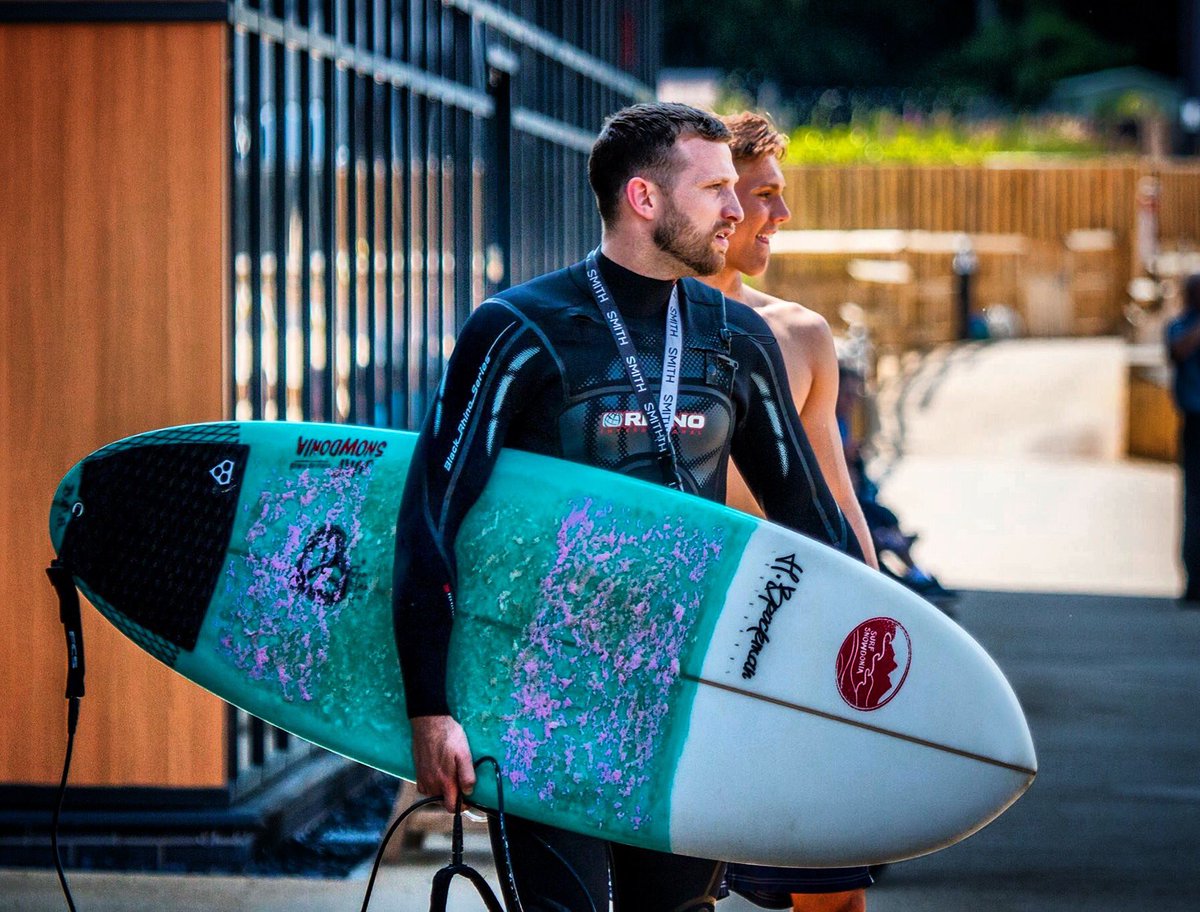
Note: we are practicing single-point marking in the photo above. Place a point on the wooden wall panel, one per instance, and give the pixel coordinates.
(112, 278)
(1179, 204)
(1044, 201)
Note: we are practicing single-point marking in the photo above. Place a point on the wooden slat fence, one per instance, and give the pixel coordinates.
(1064, 282)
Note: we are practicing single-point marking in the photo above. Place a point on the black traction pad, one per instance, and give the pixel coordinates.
(152, 528)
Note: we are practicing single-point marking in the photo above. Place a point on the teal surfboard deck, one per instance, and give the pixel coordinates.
(645, 665)
(577, 615)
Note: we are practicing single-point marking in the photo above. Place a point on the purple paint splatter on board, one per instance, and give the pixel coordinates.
(593, 682)
(289, 587)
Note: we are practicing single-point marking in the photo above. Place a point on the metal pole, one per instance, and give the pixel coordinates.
(965, 265)
(500, 69)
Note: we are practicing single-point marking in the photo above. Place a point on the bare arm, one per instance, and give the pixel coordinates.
(808, 343)
(770, 446)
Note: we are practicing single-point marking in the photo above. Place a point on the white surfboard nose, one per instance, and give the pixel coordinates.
(911, 730)
(809, 791)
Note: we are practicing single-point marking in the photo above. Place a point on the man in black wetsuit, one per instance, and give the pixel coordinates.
(603, 363)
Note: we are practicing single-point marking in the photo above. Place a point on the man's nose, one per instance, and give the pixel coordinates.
(780, 212)
(732, 211)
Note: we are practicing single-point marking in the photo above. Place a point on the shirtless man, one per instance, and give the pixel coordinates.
(806, 344)
(804, 337)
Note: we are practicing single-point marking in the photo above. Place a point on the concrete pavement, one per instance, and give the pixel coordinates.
(1007, 459)
(1112, 822)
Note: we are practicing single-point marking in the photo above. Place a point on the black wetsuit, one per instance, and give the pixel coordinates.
(536, 368)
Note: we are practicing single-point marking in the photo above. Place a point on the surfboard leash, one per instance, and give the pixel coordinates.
(69, 614)
(441, 880)
(440, 892)
(511, 896)
(415, 806)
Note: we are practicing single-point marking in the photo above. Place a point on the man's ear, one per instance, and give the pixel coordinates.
(643, 197)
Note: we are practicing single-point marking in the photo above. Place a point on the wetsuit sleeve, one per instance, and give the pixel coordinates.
(494, 363)
(773, 454)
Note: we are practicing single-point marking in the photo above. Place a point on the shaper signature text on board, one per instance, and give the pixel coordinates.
(775, 594)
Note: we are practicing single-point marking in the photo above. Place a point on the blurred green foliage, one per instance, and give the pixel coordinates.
(886, 138)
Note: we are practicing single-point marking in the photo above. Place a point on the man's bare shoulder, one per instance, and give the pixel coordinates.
(792, 323)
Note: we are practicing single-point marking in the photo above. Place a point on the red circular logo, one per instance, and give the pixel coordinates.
(873, 663)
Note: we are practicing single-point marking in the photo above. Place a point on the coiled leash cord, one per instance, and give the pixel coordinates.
(442, 879)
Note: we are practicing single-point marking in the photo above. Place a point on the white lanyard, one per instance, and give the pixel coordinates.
(658, 415)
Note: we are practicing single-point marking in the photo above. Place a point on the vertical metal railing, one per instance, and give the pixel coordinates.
(393, 162)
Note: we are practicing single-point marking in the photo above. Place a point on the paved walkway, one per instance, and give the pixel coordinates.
(1006, 458)
(1008, 467)
(1112, 822)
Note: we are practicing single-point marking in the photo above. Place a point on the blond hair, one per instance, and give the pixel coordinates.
(754, 135)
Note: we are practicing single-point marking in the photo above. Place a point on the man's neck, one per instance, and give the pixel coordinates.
(728, 281)
(635, 295)
(641, 255)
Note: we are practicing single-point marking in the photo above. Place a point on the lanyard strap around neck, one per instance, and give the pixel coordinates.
(659, 415)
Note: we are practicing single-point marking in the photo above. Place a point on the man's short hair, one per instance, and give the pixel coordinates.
(754, 135)
(640, 140)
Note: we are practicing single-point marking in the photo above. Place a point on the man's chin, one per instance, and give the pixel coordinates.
(715, 267)
(694, 266)
(750, 266)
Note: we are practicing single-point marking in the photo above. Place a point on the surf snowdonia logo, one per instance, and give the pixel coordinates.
(873, 663)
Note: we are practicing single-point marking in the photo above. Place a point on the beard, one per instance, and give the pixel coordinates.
(691, 246)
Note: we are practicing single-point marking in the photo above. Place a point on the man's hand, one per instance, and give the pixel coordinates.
(442, 758)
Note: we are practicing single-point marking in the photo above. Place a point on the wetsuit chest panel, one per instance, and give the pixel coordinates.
(602, 425)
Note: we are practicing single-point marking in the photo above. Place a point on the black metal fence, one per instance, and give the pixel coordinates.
(393, 162)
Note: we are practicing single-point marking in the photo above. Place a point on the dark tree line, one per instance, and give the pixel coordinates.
(1013, 50)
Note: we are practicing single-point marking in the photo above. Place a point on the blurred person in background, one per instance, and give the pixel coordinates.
(893, 546)
(1183, 346)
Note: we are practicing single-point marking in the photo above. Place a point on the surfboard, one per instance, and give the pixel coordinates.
(646, 666)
